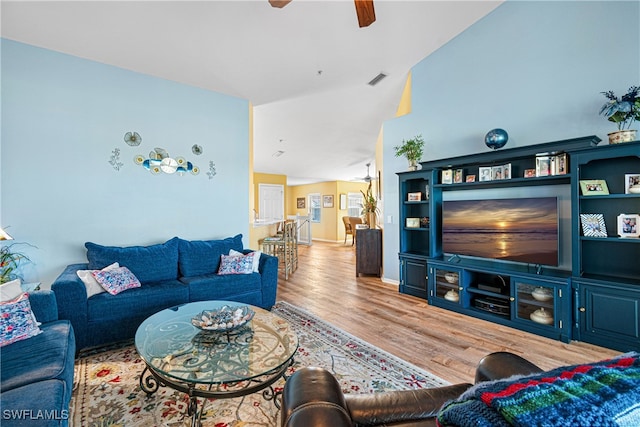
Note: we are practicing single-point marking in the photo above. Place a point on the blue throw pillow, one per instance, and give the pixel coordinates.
(148, 263)
(199, 257)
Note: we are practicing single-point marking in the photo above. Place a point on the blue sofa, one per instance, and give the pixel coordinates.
(37, 373)
(172, 273)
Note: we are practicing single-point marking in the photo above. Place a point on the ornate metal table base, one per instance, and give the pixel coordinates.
(151, 381)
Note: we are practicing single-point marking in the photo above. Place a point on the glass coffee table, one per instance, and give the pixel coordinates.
(212, 364)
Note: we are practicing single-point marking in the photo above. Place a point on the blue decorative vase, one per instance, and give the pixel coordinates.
(496, 138)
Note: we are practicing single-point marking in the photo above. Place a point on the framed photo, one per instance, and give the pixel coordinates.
(447, 176)
(485, 173)
(506, 171)
(414, 197)
(632, 183)
(594, 187)
(529, 173)
(593, 225)
(343, 201)
(629, 225)
(413, 222)
(470, 178)
(458, 175)
(543, 166)
(561, 164)
(327, 201)
(300, 202)
(496, 173)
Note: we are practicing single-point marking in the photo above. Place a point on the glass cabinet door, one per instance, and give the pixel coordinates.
(447, 285)
(536, 303)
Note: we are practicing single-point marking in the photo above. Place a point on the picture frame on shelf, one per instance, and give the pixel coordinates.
(561, 164)
(470, 178)
(506, 171)
(414, 197)
(593, 225)
(447, 176)
(529, 173)
(485, 173)
(632, 183)
(458, 176)
(413, 222)
(543, 165)
(594, 187)
(496, 173)
(629, 225)
(327, 201)
(301, 202)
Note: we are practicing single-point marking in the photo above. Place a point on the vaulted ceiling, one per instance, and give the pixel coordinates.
(304, 67)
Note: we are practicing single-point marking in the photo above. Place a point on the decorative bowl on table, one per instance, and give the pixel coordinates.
(542, 294)
(223, 319)
(541, 316)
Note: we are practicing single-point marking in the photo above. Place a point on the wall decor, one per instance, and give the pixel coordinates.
(593, 225)
(196, 149)
(327, 201)
(594, 187)
(114, 160)
(159, 161)
(300, 202)
(212, 170)
(343, 201)
(629, 225)
(132, 138)
(485, 173)
(632, 183)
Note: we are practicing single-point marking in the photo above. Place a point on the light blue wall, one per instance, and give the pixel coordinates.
(533, 68)
(63, 116)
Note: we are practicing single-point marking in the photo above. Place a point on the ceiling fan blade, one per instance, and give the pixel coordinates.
(366, 12)
(279, 3)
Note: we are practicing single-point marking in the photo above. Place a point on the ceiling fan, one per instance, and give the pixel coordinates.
(364, 10)
(368, 177)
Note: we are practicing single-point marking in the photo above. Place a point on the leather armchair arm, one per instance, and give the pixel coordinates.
(398, 406)
(501, 364)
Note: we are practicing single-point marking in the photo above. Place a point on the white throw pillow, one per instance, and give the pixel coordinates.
(10, 290)
(90, 282)
(256, 258)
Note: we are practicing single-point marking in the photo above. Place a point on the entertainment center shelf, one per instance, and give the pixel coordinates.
(594, 299)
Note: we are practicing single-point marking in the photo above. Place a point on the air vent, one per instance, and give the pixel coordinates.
(377, 79)
(278, 153)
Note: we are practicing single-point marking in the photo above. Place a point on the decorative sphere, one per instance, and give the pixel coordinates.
(496, 138)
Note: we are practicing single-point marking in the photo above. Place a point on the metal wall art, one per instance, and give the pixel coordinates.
(114, 160)
(159, 161)
(132, 138)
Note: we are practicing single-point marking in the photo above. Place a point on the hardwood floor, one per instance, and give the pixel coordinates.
(445, 343)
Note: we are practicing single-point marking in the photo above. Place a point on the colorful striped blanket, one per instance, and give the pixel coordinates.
(605, 393)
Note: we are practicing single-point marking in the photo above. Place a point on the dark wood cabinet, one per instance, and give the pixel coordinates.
(413, 275)
(368, 251)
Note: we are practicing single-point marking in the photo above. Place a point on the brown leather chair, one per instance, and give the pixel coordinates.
(312, 398)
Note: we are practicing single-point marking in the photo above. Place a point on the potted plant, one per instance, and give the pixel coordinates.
(622, 111)
(9, 263)
(369, 207)
(412, 150)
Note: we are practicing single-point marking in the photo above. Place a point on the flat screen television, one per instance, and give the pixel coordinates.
(522, 230)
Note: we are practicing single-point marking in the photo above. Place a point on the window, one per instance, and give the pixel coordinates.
(315, 205)
(354, 204)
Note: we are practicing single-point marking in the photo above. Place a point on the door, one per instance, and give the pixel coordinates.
(271, 202)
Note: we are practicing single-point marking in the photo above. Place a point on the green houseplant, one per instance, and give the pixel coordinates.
(9, 263)
(369, 207)
(623, 111)
(412, 150)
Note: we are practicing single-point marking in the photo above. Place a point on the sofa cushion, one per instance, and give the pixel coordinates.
(140, 302)
(148, 263)
(90, 282)
(236, 264)
(220, 287)
(17, 321)
(116, 280)
(10, 290)
(199, 257)
(256, 258)
(51, 354)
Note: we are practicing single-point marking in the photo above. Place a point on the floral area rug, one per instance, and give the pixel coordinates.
(107, 390)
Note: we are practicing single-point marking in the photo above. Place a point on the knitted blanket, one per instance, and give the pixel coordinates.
(605, 393)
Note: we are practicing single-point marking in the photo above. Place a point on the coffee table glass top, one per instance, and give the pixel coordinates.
(173, 347)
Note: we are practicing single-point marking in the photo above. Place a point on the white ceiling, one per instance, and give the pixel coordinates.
(304, 67)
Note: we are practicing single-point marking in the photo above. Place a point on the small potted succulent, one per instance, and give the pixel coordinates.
(622, 111)
(412, 150)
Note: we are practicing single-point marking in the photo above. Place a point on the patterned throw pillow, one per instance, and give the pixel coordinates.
(90, 282)
(256, 259)
(116, 280)
(236, 264)
(17, 322)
